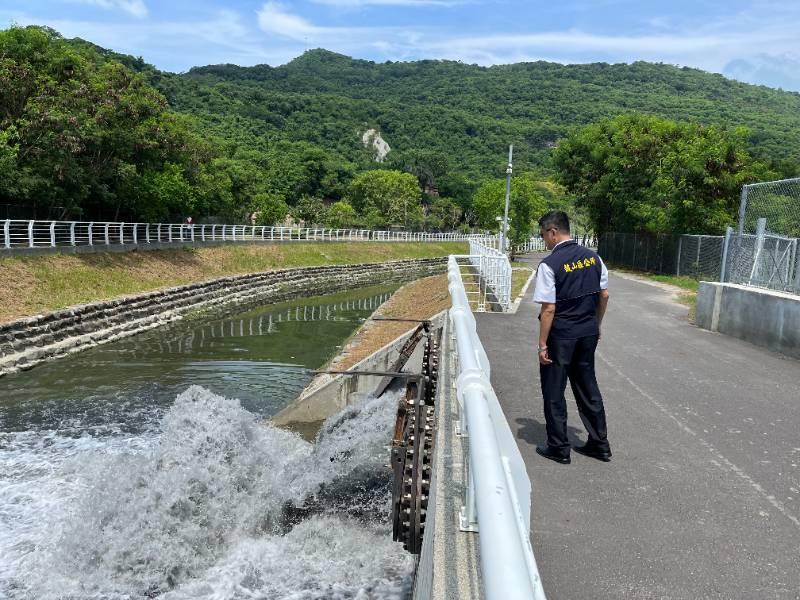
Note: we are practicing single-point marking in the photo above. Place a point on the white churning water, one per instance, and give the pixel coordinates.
(210, 503)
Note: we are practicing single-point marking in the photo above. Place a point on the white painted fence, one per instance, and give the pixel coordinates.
(53, 234)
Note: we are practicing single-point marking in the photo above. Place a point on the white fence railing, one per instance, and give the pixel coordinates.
(52, 234)
(494, 269)
(498, 493)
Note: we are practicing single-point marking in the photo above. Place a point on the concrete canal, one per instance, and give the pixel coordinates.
(144, 467)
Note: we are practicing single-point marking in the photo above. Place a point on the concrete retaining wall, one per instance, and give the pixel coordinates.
(27, 342)
(763, 317)
(328, 394)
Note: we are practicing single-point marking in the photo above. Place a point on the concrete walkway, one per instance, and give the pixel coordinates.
(702, 497)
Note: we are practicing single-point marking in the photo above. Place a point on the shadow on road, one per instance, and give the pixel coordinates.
(532, 431)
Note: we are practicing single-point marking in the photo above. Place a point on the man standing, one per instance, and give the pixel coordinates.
(572, 287)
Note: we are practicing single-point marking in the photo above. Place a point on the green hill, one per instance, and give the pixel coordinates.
(467, 112)
(88, 133)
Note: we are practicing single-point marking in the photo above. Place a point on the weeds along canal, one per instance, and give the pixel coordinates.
(145, 468)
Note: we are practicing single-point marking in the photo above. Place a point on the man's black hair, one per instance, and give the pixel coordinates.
(555, 218)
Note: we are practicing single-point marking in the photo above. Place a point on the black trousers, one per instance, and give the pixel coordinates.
(573, 360)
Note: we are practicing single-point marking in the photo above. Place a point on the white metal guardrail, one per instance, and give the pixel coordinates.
(498, 496)
(52, 234)
(494, 269)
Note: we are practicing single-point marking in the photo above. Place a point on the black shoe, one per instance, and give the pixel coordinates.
(553, 454)
(592, 451)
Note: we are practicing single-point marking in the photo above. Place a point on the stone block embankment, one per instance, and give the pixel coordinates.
(24, 343)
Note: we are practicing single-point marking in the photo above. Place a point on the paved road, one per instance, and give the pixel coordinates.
(702, 497)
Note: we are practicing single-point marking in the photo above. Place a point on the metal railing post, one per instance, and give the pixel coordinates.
(30, 234)
(72, 233)
(147, 233)
(725, 250)
(107, 239)
(91, 241)
(135, 233)
(52, 234)
(7, 234)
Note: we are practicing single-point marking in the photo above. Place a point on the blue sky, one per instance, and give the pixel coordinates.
(751, 40)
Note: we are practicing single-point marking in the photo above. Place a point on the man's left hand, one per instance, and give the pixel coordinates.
(544, 357)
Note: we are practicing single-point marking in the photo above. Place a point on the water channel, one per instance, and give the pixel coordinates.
(144, 468)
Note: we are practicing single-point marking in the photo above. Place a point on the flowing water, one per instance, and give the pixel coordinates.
(144, 468)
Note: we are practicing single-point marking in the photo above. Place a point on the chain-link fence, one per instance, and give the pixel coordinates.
(697, 256)
(764, 250)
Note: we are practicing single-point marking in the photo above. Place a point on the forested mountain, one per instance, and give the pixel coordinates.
(89, 133)
(467, 112)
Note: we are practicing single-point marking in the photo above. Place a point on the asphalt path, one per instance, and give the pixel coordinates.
(702, 496)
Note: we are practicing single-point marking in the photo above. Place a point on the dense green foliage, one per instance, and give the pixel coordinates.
(88, 132)
(640, 173)
(465, 113)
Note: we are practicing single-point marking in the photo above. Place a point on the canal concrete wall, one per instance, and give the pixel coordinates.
(27, 342)
(762, 317)
(328, 394)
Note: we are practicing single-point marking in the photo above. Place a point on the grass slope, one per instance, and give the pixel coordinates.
(42, 283)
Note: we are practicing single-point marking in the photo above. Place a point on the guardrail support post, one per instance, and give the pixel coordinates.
(108, 243)
(7, 234)
(52, 234)
(30, 234)
(468, 515)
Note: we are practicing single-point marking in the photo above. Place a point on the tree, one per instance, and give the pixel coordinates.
(386, 197)
(340, 215)
(87, 132)
(526, 203)
(443, 215)
(428, 166)
(164, 195)
(269, 208)
(638, 172)
(309, 211)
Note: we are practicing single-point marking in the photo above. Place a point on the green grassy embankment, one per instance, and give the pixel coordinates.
(34, 284)
(521, 273)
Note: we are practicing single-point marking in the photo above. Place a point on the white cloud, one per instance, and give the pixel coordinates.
(137, 8)
(273, 18)
(775, 71)
(171, 45)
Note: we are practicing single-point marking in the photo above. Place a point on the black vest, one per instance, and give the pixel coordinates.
(577, 273)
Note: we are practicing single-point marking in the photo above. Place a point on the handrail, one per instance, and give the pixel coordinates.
(53, 234)
(498, 497)
(494, 269)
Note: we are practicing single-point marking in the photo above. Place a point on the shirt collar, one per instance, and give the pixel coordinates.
(560, 243)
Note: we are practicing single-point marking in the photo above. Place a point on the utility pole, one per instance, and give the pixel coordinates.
(504, 230)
